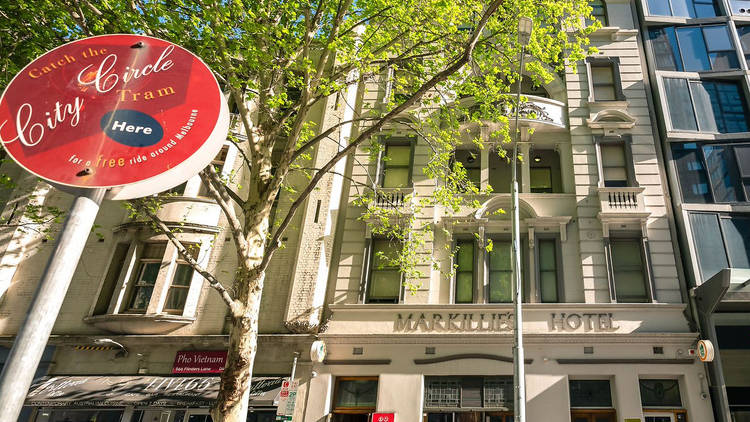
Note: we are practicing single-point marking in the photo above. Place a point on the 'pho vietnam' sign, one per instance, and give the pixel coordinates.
(134, 114)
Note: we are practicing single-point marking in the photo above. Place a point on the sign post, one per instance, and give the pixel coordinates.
(108, 117)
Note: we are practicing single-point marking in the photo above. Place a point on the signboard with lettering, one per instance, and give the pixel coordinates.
(131, 113)
(500, 322)
(384, 417)
(287, 400)
(199, 362)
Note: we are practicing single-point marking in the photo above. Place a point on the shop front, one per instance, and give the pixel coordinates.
(438, 363)
(141, 398)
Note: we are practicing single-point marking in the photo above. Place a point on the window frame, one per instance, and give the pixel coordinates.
(590, 408)
(690, 80)
(605, 21)
(597, 61)
(382, 164)
(645, 264)
(627, 142)
(647, 10)
(694, 241)
(178, 262)
(135, 283)
(678, 55)
(655, 408)
(475, 270)
(559, 273)
(367, 285)
(359, 410)
(128, 270)
(506, 238)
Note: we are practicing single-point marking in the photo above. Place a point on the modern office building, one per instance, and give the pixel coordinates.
(609, 319)
(698, 73)
(606, 317)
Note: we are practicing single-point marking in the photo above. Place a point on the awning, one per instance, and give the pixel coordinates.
(144, 390)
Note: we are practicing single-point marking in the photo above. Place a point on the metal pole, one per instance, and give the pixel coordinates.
(519, 379)
(294, 367)
(18, 372)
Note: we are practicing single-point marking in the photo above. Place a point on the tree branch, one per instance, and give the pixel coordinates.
(441, 76)
(212, 281)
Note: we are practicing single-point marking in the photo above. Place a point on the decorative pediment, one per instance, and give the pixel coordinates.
(611, 119)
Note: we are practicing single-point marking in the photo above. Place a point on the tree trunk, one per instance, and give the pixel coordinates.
(232, 401)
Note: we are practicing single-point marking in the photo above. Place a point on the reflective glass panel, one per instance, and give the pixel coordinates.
(709, 246)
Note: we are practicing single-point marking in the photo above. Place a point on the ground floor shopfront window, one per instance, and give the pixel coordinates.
(355, 399)
(75, 415)
(591, 401)
(469, 417)
(468, 399)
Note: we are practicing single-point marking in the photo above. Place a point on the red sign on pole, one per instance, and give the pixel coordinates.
(383, 417)
(131, 113)
(199, 362)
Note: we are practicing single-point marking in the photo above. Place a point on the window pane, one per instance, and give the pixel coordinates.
(602, 74)
(743, 159)
(744, 34)
(693, 49)
(730, 113)
(705, 9)
(465, 255)
(665, 49)
(709, 246)
(464, 287)
(717, 38)
(385, 285)
(398, 155)
(692, 173)
(176, 299)
(149, 272)
(629, 274)
(705, 107)
(659, 8)
(590, 393)
(548, 270)
(183, 275)
(613, 155)
(501, 286)
(615, 174)
(737, 235)
(723, 173)
(679, 103)
(681, 8)
(465, 272)
(356, 393)
(383, 252)
(154, 250)
(141, 297)
(660, 393)
(604, 93)
(396, 178)
(541, 179)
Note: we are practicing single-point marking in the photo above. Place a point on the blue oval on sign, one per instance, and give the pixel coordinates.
(132, 128)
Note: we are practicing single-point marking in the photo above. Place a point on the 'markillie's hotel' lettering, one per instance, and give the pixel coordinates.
(501, 322)
(455, 322)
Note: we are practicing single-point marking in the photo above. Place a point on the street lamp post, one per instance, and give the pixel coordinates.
(519, 382)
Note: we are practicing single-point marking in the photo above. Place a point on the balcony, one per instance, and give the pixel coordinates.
(622, 203)
(540, 113)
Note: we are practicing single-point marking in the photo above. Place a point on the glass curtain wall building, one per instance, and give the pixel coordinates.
(698, 72)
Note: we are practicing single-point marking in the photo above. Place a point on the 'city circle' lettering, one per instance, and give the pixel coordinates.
(132, 128)
(132, 114)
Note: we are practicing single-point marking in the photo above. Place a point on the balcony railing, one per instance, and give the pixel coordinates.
(392, 198)
(622, 201)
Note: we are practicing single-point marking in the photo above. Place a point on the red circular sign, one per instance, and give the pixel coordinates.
(132, 113)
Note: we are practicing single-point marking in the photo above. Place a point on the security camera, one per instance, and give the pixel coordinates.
(313, 374)
(704, 396)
